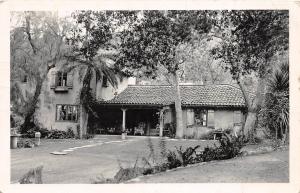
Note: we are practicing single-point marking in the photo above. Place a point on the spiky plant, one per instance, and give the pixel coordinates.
(276, 110)
(279, 81)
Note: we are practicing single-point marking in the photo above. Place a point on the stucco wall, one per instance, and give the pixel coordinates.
(223, 119)
(46, 111)
(168, 117)
(107, 93)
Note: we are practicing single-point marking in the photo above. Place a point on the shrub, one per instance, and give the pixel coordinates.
(25, 143)
(173, 160)
(70, 133)
(16, 120)
(170, 130)
(50, 134)
(209, 135)
(127, 174)
(31, 132)
(181, 157)
(44, 132)
(229, 147)
(187, 156)
(14, 130)
(162, 167)
(274, 114)
(58, 134)
(87, 136)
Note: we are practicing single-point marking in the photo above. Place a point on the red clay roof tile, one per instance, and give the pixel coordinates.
(198, 95)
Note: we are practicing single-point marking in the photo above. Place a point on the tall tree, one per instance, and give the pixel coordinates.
(157, 39)
(201, 67)
(36, 43)
(252, 39)
(93, 42)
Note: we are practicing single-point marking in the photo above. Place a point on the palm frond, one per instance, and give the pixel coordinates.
(279, 81)
(102, 69)
(111, 76)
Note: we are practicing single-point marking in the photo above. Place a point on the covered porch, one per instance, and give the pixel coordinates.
(143, 120)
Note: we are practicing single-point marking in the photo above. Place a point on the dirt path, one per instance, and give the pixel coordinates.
(269, 167)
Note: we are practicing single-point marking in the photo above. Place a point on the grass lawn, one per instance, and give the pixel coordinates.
(87, 159)
(272, 167)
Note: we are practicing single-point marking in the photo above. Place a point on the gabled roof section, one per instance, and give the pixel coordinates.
(222, 95)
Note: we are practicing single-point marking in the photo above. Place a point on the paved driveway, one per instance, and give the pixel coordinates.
(86, 159)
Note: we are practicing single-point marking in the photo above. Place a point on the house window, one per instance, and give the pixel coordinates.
(66, 113)
(61, 79)
(201, 117)
(196, 117)
(104, 82)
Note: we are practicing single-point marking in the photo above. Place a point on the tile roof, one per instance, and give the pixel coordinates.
(222, 95)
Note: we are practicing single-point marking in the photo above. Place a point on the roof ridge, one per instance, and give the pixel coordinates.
(250, 92)
(158, 85)
(148, 85)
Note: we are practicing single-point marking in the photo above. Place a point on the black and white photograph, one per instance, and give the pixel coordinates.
(150, 96)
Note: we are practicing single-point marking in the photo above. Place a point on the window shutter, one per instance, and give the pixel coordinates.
(211, 118)
(190, 117)
(53, 78)
(70, 79)
(237, 117)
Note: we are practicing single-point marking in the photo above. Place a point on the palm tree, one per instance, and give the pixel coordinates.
(99, 68)
(93, 52)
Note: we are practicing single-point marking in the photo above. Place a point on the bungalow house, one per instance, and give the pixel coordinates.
(140, 109)
(149, 109)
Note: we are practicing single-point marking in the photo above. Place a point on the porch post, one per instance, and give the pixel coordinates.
(161, 122)
(124, 120)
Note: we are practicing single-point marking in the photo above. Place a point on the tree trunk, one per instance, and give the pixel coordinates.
(286, 136)
(84, 116)
(85, 97)
(178, 109)
(253, 107)
(281, 133)
(32, 106)
(249, 126)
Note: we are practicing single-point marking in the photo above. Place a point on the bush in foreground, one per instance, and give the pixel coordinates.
(229, 147)
(50, 134)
